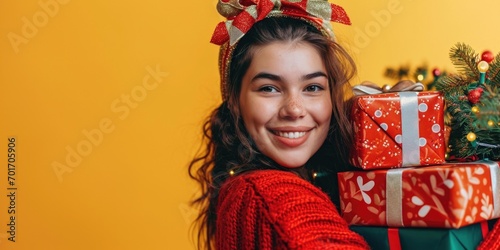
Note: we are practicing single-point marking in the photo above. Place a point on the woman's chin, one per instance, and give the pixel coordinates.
(288, 163)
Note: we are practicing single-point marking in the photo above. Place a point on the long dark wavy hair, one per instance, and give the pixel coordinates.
(229, 150)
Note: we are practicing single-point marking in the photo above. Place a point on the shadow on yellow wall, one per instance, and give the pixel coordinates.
(105, 102)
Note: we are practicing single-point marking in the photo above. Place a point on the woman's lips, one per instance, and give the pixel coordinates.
(291, 136)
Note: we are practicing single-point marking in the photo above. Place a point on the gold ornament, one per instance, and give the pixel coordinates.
(475, 109)
(491, 123)
(471, 136)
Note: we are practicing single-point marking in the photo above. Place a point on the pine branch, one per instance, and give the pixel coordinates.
(451, 82)
(494, 71)
(461, 101)
(464, 58)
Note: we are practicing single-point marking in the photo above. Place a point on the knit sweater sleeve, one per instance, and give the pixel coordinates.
(278, 210)
(492, 240)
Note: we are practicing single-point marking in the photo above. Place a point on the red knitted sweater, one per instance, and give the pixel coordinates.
(271, 209)
(492, 241)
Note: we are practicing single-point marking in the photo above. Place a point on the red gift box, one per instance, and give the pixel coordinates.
(442, 196)
(398, 130)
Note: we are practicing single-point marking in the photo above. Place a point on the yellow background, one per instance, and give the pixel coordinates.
(75, 79)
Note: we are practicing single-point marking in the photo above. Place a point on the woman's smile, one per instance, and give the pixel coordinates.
(291, 139)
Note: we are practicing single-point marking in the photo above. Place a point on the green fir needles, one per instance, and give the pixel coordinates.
(473, 104)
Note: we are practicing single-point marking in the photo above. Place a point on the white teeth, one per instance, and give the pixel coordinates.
(291, 135)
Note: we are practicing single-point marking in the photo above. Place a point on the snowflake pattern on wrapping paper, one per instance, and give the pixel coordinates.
(378, 131)
(444, 196)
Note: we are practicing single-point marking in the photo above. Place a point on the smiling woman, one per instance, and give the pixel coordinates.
(285, 102)
(283, 117)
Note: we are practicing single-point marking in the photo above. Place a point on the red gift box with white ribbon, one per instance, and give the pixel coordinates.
(451, 195)
(399, 129)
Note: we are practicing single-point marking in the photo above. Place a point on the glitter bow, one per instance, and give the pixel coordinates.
(242, 14)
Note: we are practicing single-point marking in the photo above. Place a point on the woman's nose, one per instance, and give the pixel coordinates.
(293, 108)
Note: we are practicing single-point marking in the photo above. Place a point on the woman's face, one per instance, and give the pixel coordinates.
(285, 102)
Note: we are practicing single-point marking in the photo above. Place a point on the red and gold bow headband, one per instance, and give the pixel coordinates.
(243, 14)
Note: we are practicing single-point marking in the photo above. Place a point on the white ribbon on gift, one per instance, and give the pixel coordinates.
(394, 200)
(495, 180)
(394, 191)
(410, 137)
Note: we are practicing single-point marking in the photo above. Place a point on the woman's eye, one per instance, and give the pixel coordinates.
(269, 89)
(314, 88)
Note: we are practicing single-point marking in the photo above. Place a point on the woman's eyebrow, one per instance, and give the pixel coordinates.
(314, 75)
(265, 75)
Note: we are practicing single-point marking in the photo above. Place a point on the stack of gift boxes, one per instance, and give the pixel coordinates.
(405, 195)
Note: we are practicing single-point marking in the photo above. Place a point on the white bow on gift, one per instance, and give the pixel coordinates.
(370, 88)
